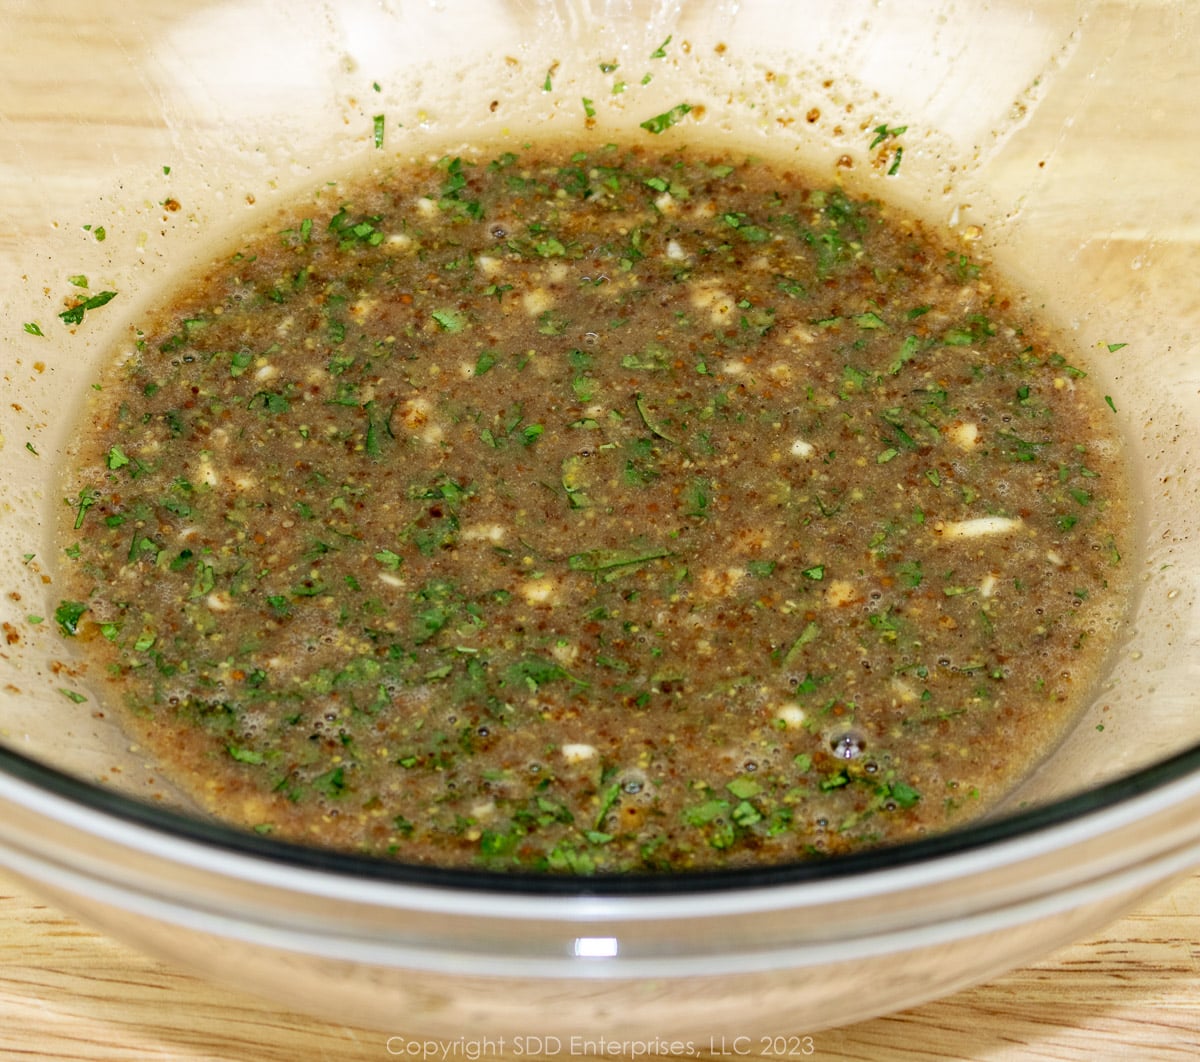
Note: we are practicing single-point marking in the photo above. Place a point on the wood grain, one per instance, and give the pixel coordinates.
(1131, 992)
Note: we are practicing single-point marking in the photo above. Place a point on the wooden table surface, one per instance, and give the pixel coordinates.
(1130, 992)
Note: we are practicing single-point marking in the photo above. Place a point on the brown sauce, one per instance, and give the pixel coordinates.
(596, 510)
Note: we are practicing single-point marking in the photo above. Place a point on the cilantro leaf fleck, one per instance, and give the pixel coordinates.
(660, 123)
(75, 314)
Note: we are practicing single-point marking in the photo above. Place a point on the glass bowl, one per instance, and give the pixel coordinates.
(1059, 137)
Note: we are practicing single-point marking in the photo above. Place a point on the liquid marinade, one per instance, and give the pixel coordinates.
(595, 510)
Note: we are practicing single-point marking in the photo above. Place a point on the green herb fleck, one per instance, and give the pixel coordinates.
(450, 320)
(388, 559)
(331, 784)
(907, 351)
(743, 788)
(243, 755)
(882, 133)
(68, 615)
(810, 634)
(598, 560)
(239, 362)
(86, 499)
(903, 795)
(75, 314)
(660, 123)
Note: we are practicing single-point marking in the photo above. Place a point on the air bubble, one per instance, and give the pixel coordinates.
(848, 746)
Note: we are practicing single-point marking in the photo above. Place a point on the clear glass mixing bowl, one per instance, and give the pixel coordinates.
(1060, 137)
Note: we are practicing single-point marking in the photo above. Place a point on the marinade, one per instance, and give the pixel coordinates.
(589, 509)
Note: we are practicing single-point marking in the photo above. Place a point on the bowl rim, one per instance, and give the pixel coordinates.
(216, 838)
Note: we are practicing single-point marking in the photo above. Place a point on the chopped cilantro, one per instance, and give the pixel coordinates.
(882, 133)
(450, 320)
(68, 614)
(244, 755)
(901, 794)
(598, 560)
(743, 788)
(331, 784)
(74, 315)
(660, 123)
